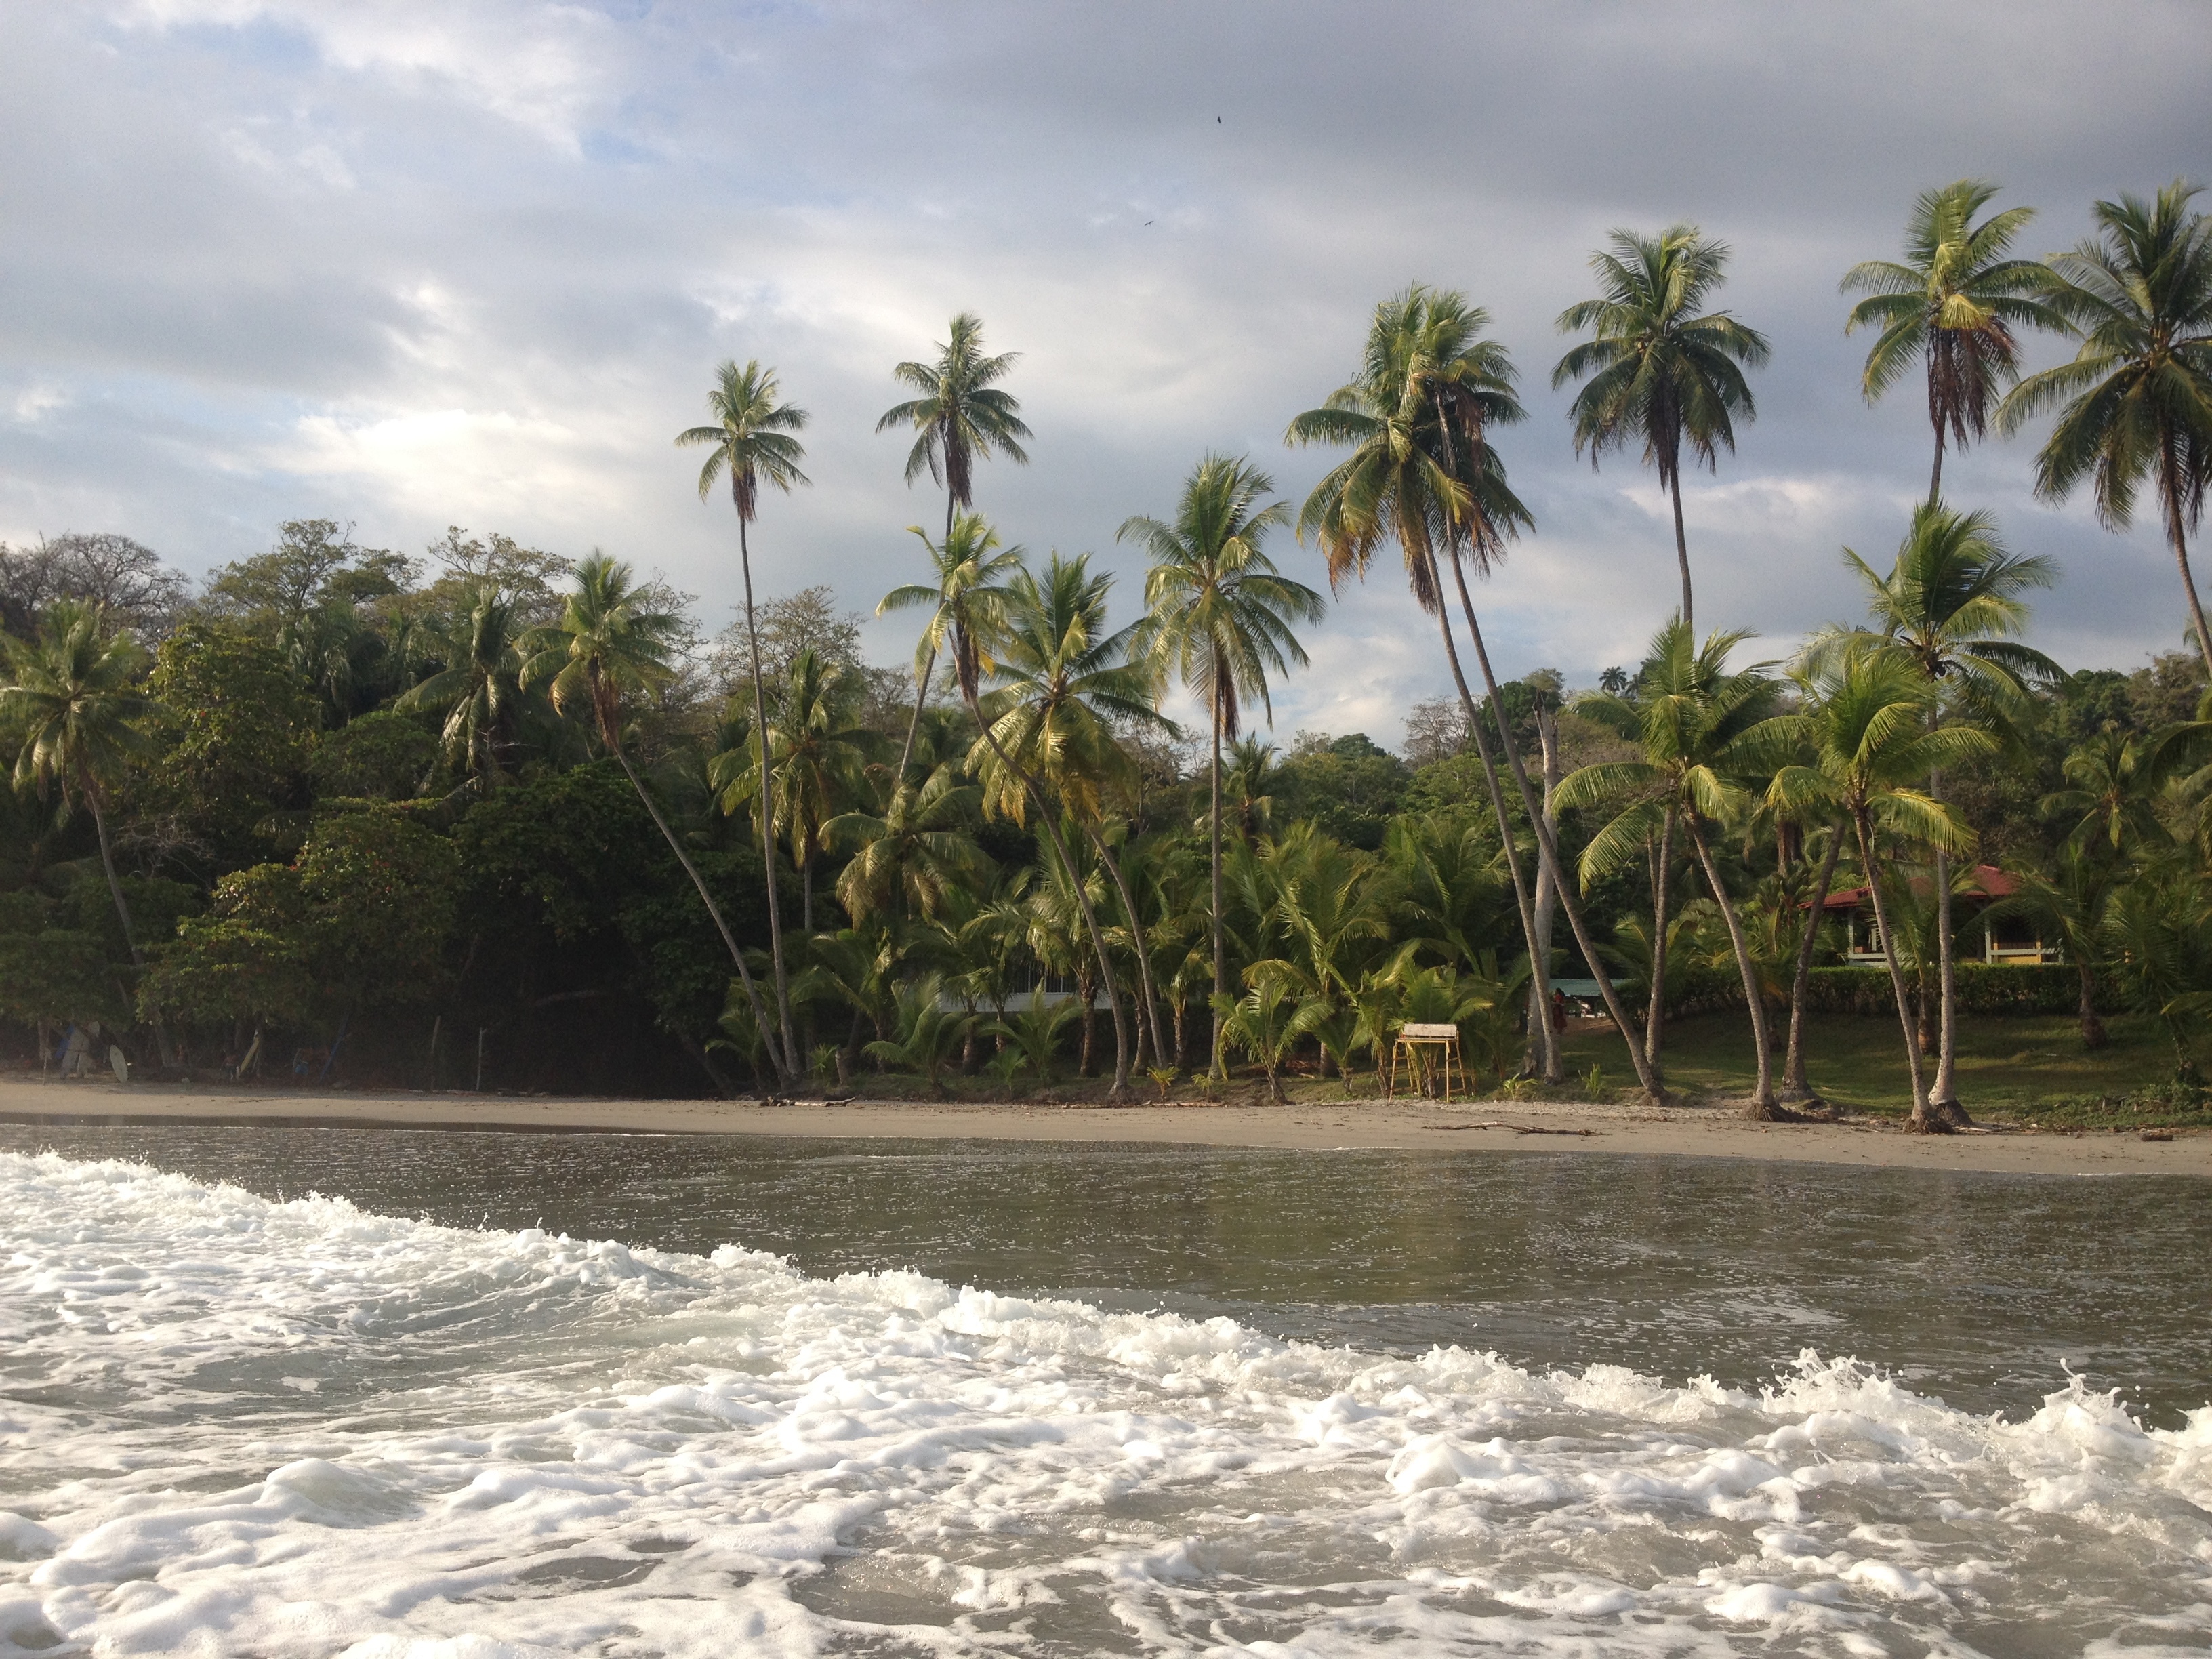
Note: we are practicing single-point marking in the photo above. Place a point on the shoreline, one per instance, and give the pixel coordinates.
(1350, 1125)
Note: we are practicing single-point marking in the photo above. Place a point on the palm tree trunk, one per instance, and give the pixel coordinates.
(2093, 1027)
(807, 897)
(1762, 1108)
(1539, 967)
(1943, 1094)
(1155, 1030)
(1654, 1022)
(928, 667)
(1119, 1090)
(789, 1064)
(1216, 1070)
(1547, 848)
(1935, 479)
(1681, 546)
(161, 1049)
(737, 955)
(2169, 477)
(1919, 1121)
(1794, 1085)
(913, 723)
(1546, 905)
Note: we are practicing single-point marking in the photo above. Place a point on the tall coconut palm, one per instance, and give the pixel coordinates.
(967, 607)
(1698, 724)
(1422, 474)
(960, 418)
(71, 692)
(1656, 367)
(610, 642)
(751, 443)
(1218, 616)
(1061, 680)
(1953, 604)
(1424, 355)
(1871, 734)
(917, 847)
(1953, 305)
(480, 689)
(2137, 400)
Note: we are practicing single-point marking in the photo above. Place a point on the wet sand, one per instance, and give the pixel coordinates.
(1688, 1132)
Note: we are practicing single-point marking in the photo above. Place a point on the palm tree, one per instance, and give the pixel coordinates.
(959, 419)
(1657, 370)
(1953, 605)
(750, 442)
(480, 689)
(1420, 474)
(968, 609)
(2137, 400)
(71, 693)
(1218, 616)
(817, 749)
(1266, 1023)
(929, 1034)
(1695, 721)
(1952, 304)
(1872, 739)
(608, 642)
(917, 847)
(1061, 679)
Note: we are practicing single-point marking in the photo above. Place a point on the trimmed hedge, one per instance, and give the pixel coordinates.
(1985, 989)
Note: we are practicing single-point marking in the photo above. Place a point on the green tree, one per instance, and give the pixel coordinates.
(960, 418)
(918, 847)
(72, 692)
(607, 643)
(237, 730)
(1953, 605)
(1953, 305)
(1657, 368)
(1698, 724)
(750, 442)
(1869, 730)
(1266, 1023)
(2137, 400)
(1218, 616)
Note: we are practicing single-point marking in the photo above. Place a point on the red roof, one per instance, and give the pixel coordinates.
(1988, 881)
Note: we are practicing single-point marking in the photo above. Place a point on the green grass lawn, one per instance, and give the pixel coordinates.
(2024, 1068)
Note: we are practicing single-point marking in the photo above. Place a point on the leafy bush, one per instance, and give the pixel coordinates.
(1984, 988)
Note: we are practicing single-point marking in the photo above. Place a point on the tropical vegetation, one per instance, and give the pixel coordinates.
(493, 818)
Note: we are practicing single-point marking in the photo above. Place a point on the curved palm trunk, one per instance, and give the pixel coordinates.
(737, 955)
(928, 668)
(1119, 1090)
(1681, 545)
(913, 722)
(123, 914)
(1155, 1029)
(1793, 1085)
(1919, 1121)
(1216, 1069)
(2170, 478)
(1547, 847)
(1539, 967)
(1546, 1052)
(788, 1064)
(1943, 1094)
(1762, 1107)
(1662, 877)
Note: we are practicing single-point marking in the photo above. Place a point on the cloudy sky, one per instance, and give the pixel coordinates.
(431, 262)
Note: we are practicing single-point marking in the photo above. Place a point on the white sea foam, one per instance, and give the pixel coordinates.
(232, 1426)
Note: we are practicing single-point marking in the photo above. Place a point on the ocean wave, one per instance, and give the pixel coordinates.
(233, 1425)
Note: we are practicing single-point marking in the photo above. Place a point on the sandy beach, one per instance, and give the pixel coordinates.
(1689, 1132)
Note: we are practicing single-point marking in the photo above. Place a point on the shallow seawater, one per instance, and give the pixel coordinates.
(966, 1398)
